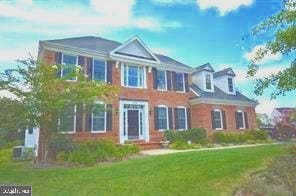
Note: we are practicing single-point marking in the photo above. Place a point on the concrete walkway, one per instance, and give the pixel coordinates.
(171, 151)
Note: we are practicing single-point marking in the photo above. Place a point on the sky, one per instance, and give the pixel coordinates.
(192, 31)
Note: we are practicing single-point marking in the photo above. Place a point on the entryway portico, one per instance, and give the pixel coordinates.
(133, 120)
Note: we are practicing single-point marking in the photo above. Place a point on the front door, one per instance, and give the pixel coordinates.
(133, 124)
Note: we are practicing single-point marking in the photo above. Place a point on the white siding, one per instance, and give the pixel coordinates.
(31, 140)
(222, 83)
(198, 80)
(135, 48)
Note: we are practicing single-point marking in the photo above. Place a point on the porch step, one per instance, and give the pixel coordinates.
(149, 145)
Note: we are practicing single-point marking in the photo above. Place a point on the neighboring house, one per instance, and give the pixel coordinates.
(156, 92)
(281, 114)
(31, 139)
(265, 120)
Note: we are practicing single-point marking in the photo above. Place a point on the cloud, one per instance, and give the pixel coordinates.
(22, 52)
(223, 6)
(172, 2)
(267, 58)
(241, 74)
(266, 105)
(7, 94)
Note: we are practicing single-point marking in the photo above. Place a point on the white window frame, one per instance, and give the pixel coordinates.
(165, 78)
(232, 84)
(144, 85)
(183, 75)
(105, 119)
(244, 121)
(205, 82)
(167, 116)
(74, 127)
(62, 68)
(186, 121)
(93, 68)
(221, 119)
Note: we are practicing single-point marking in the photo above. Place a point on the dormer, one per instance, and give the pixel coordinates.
(224, 80)
(203, 77)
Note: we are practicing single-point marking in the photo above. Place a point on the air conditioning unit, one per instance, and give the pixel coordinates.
(18, 152)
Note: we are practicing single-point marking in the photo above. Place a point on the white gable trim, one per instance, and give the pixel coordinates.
(136, 38)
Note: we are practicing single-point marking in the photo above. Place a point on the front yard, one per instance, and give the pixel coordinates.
(215, 172)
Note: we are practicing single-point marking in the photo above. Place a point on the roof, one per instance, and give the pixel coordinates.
(285, 109)
(104, 46)
(219, 94)
(227, 71)
(206, 67)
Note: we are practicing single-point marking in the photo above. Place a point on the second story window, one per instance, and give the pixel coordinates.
(208, 82)
(69, 65)
(161, 80)
(133, 76)
(99, 70)
(230, 85)
(180, 84)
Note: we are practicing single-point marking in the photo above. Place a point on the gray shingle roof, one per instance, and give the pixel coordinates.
(105, 46)
(219, 94)
(203, 67)
(227, 71)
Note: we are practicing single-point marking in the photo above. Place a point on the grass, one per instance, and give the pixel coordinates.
(215, 172)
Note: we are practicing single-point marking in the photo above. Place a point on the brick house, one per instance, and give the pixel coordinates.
(156, 92)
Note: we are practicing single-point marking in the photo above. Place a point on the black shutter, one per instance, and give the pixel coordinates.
(171, 126)
(174, 81)
(176, 118)
(81, 61)
(154, 73)
(186, 83)
(88, 118)
(79, 110)
(169, 80)
(109, 71)
(58, 61)
(236, 120)
(188, 119)
(213, 119)
(109, 117)
(156, 118)
(224, 120)
(89, 68)
(246, 120)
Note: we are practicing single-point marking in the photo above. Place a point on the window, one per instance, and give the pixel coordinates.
(182, 118)
(99, 70)
(133, 76)
(69, 65)
(240, 119)
(68, 120)
(162, 118)
(230, 84)
(161, 80)
(218, 119)
(180, 82)
(208, 82)
(30, 131)
(98, 117)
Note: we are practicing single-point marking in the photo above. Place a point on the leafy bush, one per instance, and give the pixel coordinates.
(253, 136)
(60, 143)
(193, 135)
(5, 156)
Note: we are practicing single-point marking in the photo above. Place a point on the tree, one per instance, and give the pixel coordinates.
(42, 96)
(283, 24)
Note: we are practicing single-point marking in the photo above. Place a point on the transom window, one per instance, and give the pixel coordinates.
(240, 119)
(208, 82)
(218, 119)
(230, 84)
(69, 65)
(133, 76)
(181, 118)
(67, 120)
(180, 82)
(98, 117)
(162, 120)
(161, 80)
(99, 70)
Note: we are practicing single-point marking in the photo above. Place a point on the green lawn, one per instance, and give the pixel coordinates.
(215, 172)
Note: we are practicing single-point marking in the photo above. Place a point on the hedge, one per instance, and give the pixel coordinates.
(243, 137)
(196, 135)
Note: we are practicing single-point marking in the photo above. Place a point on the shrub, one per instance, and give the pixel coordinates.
(249, 137)
(194, 135)
(5, 156)
(60, 143)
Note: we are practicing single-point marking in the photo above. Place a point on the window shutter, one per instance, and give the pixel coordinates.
(79, 110)
(188, 118)
(171, 126)
(88, 118)
(186, 83)
(81, 60)
(236, 120)
(109, 117)
(154, 73)
(109, 71)
(156, 118)
(169, 80)
(176, 118)
(213, 119)
(224, 120)
(89, 68)
(58, 61)
(246, 120)
(174, 81)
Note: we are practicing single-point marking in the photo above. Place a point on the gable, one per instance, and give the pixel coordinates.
(230, 72)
